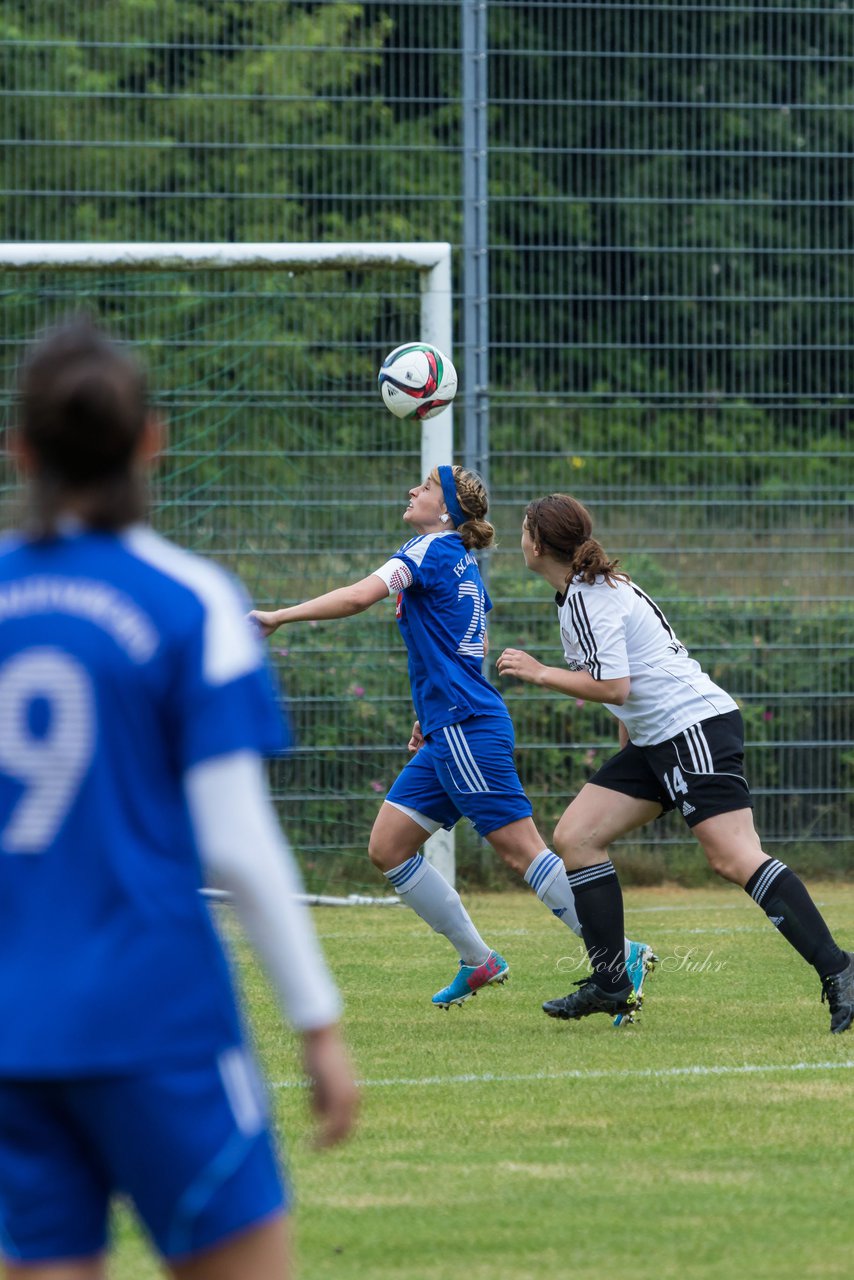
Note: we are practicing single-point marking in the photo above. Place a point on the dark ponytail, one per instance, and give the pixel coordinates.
(81, 412)
(562, 527)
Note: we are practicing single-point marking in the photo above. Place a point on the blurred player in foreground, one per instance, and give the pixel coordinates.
(135, 711)
(682, 747)
(462, 742)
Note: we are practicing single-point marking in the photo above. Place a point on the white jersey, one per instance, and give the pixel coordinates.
(619, 631)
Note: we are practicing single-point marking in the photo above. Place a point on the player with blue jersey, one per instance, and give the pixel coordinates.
(135, 711)
(682, 747)
(462, 742)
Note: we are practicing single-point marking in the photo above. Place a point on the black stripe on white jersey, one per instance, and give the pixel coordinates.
(655, 609)
(584, 631)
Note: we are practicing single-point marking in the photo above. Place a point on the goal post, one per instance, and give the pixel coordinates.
(432, 261)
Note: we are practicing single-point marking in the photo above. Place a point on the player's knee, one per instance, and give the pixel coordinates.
(569, 844)
(379, 854)
(723, 863)
(513, 859)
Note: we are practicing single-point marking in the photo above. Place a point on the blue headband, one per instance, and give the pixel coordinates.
(449, 492)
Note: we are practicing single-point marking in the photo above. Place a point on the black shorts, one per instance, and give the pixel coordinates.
(700, 772)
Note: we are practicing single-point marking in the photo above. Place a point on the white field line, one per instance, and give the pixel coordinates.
(647, 1073)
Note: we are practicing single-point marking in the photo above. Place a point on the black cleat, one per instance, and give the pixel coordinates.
(838, 991)
(591, 999)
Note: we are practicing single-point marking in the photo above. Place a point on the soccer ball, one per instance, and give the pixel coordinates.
(417, 381)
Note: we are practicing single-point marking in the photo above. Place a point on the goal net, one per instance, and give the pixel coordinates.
(283, 464)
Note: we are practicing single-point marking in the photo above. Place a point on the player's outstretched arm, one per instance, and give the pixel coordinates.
(343, 602)
(575, 684)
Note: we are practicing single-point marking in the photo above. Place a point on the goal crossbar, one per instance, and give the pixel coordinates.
(211, 256)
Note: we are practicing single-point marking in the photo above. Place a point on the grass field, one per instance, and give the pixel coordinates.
(712, 1140)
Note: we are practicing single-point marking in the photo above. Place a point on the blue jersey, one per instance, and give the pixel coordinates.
(124, 662)
(442, 617)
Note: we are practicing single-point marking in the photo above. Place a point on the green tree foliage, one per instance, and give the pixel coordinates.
(698, 165)
(168, 137)
(687, 184)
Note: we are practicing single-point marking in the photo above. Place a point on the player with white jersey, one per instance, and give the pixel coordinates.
(462, 742)
(622, 631)
(682, 746)
(136, 707)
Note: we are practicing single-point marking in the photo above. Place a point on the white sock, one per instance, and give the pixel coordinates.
(547, 877)
(428, 893)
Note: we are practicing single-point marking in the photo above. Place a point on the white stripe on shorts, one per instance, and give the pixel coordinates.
(701, 756)
(463, 758)
(703, 745)
(464, 745)
(242, 1088)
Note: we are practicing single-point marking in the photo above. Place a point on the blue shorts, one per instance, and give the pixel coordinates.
(190, 1147)
(465, 770)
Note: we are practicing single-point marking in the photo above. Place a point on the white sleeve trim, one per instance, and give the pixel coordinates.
(231, 647)
(244, 851)
(396, 574)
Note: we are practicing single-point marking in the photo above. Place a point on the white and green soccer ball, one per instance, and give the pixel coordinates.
(417, 381)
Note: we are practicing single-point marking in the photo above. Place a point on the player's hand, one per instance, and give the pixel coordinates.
(517, 663)
(416, 742)
(334, 1092)
(265, 622)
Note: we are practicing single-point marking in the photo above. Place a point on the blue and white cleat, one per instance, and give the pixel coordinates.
(640, 962)
(470, 978)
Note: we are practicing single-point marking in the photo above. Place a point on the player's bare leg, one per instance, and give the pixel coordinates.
(394, 839)
(594, 820)
(74, 1269)
(517, 844)
(731, 844)
(261, 1253)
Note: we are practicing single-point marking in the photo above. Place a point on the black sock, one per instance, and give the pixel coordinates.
(784, 899)
(599, 903)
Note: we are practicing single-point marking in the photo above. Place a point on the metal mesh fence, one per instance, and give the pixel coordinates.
(666, 197)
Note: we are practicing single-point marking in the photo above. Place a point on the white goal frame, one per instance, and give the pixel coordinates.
(431, 259)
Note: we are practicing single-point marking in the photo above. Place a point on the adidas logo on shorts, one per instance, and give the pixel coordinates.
(687, 808)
